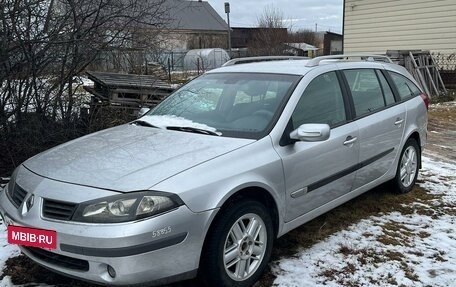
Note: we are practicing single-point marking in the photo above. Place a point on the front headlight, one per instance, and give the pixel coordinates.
(126, 207)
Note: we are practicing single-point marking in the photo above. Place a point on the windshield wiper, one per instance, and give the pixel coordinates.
(144, 124)
(193, 130)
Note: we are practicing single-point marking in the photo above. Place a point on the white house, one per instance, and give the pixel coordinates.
(375, 26)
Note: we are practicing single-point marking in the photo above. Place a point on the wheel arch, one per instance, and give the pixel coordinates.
(416, 136)
(251, 192)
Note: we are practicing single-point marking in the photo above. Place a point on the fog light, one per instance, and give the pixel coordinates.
(111, 271)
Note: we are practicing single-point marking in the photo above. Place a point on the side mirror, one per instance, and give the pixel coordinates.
(143, 111)
(311, 133)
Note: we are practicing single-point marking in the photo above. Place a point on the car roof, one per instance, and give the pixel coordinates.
(292, 67)
(300, 67)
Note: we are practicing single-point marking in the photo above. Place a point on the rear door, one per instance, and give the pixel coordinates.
(380, 120)
(318, 172)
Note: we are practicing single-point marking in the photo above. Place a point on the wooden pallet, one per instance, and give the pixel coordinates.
(423, 68)
(129, 90)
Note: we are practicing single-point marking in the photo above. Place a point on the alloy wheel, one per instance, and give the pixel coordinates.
(408, 166)
(245, 247)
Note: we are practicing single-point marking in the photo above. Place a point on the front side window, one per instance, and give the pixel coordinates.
(321, 103)
(232, 104)
(365, 90)
(406, 88)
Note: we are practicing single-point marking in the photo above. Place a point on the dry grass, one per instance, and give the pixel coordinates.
(380, 200)
(441, 130)
(451, 96)
(374, 202)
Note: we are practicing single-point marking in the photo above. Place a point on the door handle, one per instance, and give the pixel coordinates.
(398, 121)
(350, 140)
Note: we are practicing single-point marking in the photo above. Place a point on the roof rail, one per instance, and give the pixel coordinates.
(247, 60)
(349, 57)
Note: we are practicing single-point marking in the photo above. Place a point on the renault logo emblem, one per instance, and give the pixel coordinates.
(30, 201)
(28, 204)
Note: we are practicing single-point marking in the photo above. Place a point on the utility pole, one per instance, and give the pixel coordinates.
(316, 27)
(227, 11)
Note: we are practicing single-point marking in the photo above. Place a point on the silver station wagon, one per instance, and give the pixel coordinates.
(204, 183)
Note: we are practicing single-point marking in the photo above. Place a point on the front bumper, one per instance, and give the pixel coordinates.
(134, 250)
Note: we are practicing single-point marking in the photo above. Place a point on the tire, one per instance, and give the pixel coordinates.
(407, 168)
(230, 248)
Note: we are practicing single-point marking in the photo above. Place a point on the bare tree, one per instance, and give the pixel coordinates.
(306, 36)
(46, 44)
(272, 17)
(271, 33)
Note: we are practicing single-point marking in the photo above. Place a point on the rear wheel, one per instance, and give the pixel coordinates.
(238, 247)
(407, 170)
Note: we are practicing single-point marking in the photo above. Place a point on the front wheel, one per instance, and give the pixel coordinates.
(238, 247)
(407, 170)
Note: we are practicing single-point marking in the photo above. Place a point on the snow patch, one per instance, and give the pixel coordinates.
(6, 282)
(424, 253)
(175, 121)
(7, 250)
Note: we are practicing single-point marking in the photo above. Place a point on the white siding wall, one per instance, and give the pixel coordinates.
(375, 26)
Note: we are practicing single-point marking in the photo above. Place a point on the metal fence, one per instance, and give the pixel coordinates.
(446, 62)
(447, 67)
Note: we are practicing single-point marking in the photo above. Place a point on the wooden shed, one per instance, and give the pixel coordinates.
(128, 90)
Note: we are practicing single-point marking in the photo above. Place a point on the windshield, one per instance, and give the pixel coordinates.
(231, 104)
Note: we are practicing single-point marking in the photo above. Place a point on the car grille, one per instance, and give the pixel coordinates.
(59, 260)
(58, 209)
(17, 195)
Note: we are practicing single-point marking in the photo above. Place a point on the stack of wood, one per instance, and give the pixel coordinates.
(422, 67)
(127, 90)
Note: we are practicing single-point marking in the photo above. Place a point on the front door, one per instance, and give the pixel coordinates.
(319, 172)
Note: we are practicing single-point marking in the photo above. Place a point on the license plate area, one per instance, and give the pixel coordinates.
(34, 237)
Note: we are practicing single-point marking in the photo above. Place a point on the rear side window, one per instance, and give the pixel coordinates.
(406, 88)
(365, 90)
(387, 92)
(321, 103)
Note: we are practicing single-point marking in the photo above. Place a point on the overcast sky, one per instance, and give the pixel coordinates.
(301, 13)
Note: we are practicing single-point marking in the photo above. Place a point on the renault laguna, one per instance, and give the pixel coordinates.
(202, 184)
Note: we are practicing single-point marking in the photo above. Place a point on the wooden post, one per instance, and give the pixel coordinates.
(423, 61)
(169, 70)
(438, 76)
(420, 76)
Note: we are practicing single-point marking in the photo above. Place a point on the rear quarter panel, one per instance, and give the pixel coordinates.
(417, 120)
(417, 116)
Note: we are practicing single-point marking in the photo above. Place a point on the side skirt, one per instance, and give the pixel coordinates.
(333, 204)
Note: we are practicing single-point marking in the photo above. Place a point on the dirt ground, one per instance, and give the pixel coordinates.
(442, 131)
(441, 145)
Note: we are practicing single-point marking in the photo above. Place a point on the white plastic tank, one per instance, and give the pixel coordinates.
(205, 59)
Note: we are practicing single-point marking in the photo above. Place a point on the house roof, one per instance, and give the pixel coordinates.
(194, 15)
(174, 14)
(302, 46)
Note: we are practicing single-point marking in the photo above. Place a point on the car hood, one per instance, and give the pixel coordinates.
(129, 157)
